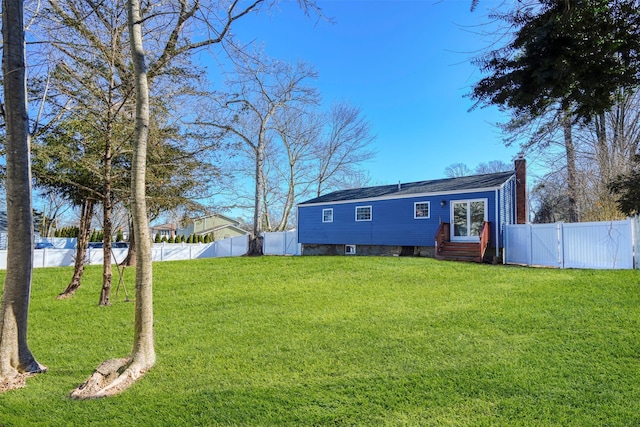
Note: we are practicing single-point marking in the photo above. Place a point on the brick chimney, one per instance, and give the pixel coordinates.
(521, 189)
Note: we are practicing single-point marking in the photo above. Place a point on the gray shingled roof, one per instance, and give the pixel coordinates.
(491, 180)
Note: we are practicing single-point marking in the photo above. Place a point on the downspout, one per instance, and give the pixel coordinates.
(298, 227)
(498, 223)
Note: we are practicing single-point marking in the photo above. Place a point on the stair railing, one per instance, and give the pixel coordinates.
(442, 235)
(484, 239)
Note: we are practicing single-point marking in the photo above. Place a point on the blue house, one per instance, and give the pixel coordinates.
(455, 218)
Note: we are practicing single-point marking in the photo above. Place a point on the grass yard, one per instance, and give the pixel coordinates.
(302, 341)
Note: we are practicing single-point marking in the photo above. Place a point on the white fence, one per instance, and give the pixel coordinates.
(63, 254)
(281, 243)
(234, 246)
(598, 245)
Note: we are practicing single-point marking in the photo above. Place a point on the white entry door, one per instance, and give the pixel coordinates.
(467, 217)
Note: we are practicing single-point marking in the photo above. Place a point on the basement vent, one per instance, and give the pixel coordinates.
(350, 249)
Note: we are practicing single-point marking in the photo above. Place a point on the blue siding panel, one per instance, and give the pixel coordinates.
(392, 222)
(507, 208)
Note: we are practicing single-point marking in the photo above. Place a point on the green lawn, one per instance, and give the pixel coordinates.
(345, 341)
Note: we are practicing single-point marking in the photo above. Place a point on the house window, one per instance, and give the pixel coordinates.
(421, 210)
(327, 215)
(363, 213)
(350, 249)
(467, 218)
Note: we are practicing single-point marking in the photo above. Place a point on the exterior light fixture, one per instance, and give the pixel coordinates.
(443, 203)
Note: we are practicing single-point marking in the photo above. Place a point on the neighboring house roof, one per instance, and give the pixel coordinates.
(167, 226)
(230, 227)
(217, 215)
(214, 223)
(446, 185)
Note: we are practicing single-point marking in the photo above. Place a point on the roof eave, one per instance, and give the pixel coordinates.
(406, 196)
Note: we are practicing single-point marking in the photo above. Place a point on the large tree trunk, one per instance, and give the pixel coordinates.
(572, 175)
(16, 359)
(116, 375)
(255, 240)
(144, 355)
(603, 154)
(86, 215)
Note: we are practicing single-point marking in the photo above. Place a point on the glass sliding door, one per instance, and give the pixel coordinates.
(460, 219)
(467, 217)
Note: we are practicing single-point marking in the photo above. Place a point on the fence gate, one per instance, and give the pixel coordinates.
(281, 243)
(599, 245)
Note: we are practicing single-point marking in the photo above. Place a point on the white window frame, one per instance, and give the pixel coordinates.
(467, 237)
(349, 249)
(327, 211)
(370, 213)
(415, 210)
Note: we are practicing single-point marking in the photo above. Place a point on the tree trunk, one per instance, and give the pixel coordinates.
(603, 154)
(570, 150)
(86, 215)
(130, 260)
(105, 294)
(290, 201)
(116, 375)
(144, 356)
(15, 357)
(255, 246)
(255, 241)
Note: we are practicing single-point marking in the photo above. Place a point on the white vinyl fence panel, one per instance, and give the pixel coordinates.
(516, 251)
(63, 255)
(536, 244)
(636, 242)
(234, 246)
(598, 245)
(546, 248)
(281, 243)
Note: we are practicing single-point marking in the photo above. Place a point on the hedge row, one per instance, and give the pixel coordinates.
(207, 238)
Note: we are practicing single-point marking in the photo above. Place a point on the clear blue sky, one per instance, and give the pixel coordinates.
(405, 63)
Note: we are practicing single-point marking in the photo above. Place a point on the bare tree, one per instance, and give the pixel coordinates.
(344, 147)
(549, 200)
(262, 88)
(16, 359)
(54, 206)
(606, 149)
(320, 152)
(456, 170)
(493, 166)
(299, 131)
(551, 131)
